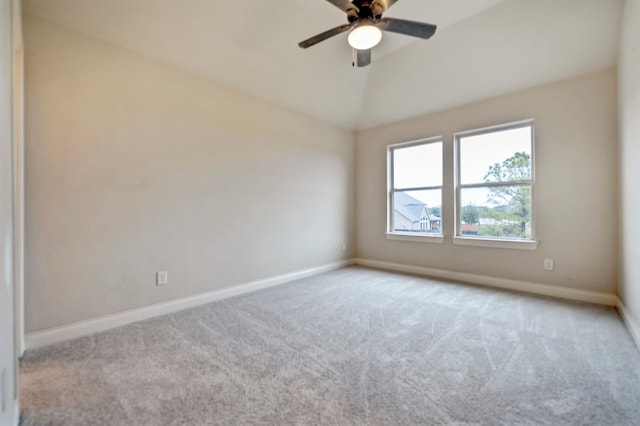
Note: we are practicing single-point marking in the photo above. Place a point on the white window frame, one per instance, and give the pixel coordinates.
(411, 236)
(483, 241)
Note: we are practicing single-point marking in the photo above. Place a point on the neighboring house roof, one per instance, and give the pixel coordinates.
(469, 227)
(408, 206)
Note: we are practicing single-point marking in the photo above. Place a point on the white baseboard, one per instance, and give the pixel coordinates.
(528, 287)
(95, 325)
(22, 346)
(629, 321)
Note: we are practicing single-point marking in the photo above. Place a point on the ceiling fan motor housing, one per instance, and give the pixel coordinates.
(364, 9)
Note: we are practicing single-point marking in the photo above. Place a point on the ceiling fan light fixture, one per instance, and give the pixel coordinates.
(365, 37)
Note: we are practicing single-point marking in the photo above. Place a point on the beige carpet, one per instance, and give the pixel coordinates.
(351, 347)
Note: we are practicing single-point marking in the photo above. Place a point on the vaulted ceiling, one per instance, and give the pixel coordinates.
(483, 48)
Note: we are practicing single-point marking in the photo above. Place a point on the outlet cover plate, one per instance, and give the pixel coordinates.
(548, 264)
(162, 278)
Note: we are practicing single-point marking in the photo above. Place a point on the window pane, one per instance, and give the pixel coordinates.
(417, 211)
(418, 166)
(497, 212)
(501, 156)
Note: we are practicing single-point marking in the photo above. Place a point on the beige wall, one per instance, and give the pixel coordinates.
(8, 361)
(629, 98)
(135, 167)
(575, 201)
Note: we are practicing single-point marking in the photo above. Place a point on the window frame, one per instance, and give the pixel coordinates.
(391, 234)
(486, 241)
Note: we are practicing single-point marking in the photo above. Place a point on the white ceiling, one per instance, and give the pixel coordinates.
(483, 48)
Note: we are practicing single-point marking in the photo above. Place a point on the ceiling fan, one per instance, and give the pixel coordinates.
(365, 23)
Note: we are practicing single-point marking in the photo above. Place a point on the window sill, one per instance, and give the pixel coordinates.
(496, 243)
(416, 238)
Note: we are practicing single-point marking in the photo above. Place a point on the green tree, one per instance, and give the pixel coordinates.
(512, 204)
(435, 211)
(470, 214)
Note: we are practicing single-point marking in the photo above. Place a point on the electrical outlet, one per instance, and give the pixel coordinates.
(548, 264)
(162, 278)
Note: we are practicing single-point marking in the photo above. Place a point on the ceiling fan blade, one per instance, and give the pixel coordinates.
(345, 5)
(362, 58)
(410, 28)
(325, 35)
(384, 4)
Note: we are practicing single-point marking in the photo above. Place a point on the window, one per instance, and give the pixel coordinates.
(415, 189)
(494, 183)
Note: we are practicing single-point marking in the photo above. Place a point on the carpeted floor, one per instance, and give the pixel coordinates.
(350, 347)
